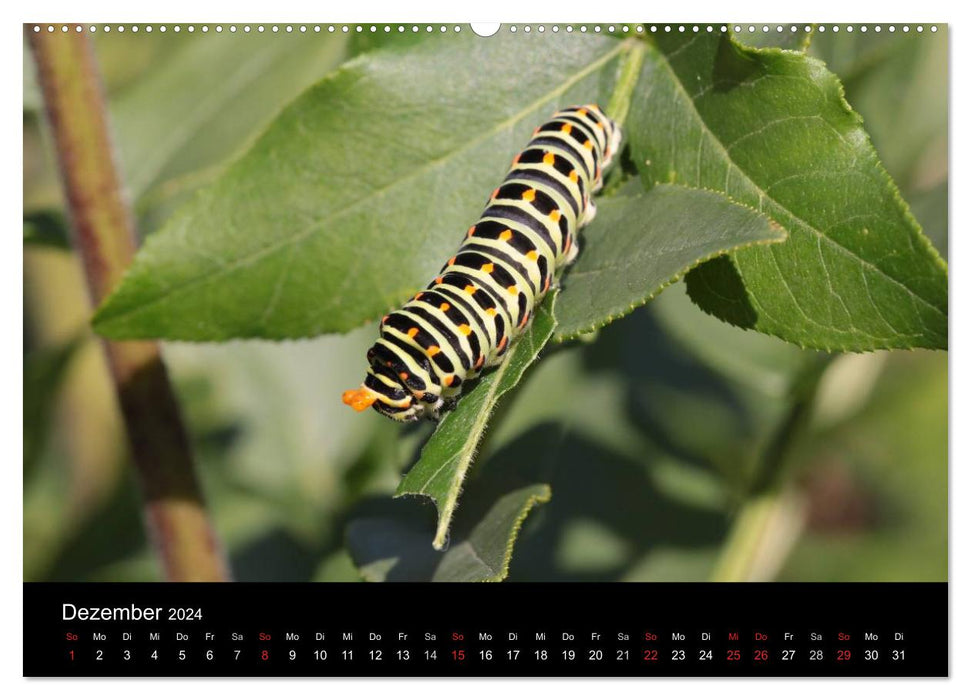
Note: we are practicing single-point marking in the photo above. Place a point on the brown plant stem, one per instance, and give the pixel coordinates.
(104, 236)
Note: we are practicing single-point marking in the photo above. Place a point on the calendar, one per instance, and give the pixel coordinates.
(559, 349)
(513, 630)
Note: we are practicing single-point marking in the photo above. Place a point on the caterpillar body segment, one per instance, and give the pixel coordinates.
(484, 296)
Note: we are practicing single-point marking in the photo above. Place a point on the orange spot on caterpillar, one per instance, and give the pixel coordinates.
(444, 306)
(588, 145)
(582, 111)
(573, 176)
(403, 375)
(532, 255)
(488, 267)
(470, 289)
(464, 329)
(418, 296)
(433, 350)
(599, 126)
(480, 361)
(546, 285)
(438, 280)
(471, 232)
(384, 319)
(359, 399)
(522, 323)
(505, 235)
(529, 195)
(516, 159)
(549, 158)
(502, 343)
(569, 244)
(512, 289)
(448, 380)
(566, 128)
(495, 193)
(412, 332)
(451, 260)
(555, 215)
(491, 311)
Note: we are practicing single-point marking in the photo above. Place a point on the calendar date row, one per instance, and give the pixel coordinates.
(651, 655)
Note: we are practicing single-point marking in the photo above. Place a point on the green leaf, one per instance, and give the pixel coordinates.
(395, 546)
(485, 553)
(771, 129)
(218, 89)
(793, 36)
(639, 244)
(357, 192)
(448, 454)
(364, 42)
(305, 61)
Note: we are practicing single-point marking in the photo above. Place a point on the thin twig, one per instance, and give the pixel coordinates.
(104, 236)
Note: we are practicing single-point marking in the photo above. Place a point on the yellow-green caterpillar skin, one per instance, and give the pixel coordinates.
(484, 296)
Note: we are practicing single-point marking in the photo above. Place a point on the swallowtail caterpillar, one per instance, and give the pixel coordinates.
(483, 298)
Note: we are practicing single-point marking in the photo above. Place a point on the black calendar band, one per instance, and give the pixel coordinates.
(562, 629)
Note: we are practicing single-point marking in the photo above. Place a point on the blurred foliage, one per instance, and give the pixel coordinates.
(649, 439)
(47, 228)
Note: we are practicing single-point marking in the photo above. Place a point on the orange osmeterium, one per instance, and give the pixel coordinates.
(359, 399)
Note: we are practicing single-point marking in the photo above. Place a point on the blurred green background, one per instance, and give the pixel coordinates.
(651, 436)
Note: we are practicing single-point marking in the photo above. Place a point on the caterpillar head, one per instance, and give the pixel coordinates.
(368, 396)
(385, 392)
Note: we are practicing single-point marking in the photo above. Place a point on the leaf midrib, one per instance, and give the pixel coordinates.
(762, 193)
(307, 231)
(464, 455)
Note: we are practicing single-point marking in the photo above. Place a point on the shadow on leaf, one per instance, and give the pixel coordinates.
(683, 405)
(595, 489)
